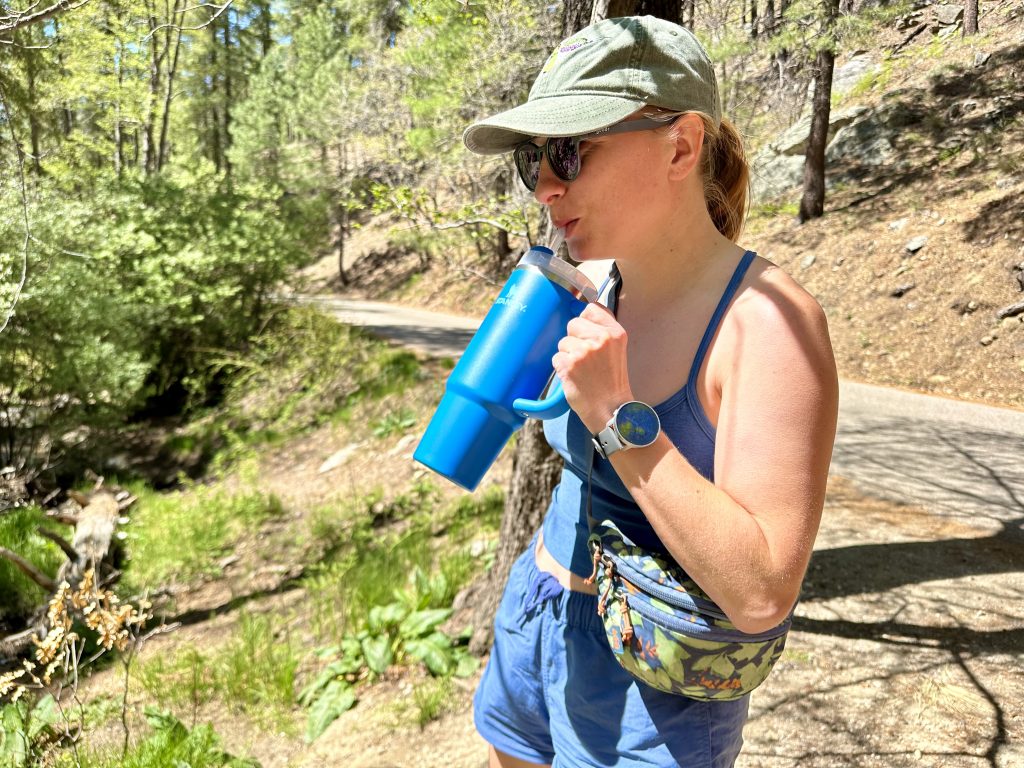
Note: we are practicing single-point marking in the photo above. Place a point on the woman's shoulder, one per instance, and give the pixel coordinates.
(775, 319)
(771, 300)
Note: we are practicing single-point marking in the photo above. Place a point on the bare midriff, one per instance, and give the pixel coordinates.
(547, 563)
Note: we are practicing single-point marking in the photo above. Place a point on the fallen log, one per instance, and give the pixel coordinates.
(89, 548)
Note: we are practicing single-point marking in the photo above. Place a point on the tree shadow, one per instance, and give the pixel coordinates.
(964, 109)
(965, 478)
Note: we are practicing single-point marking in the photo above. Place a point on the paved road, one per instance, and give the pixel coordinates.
(958, 459)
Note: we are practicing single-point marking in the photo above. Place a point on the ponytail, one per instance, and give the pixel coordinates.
(726, 177)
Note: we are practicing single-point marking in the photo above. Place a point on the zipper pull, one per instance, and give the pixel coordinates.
(597, 559)
(627, 623)
(602, 603)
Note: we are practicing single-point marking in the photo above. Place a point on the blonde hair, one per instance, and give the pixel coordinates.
(724, 170)
(726, 176)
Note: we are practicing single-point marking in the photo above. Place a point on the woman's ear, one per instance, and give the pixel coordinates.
(688, 131)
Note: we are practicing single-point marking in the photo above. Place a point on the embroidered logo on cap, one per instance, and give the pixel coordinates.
(569, 46)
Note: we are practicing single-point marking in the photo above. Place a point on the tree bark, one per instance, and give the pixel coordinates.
(970, 17)
(535, 472)
(812, 203)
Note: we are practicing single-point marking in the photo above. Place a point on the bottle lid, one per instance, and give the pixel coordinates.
(559, 271)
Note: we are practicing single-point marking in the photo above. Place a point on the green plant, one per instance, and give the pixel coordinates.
(26, 728)
(181, 534)
(171, 744)
(394, 423)
(403, 630)
(19, 532)
(432, 699)
(258, 666)
(186, 678)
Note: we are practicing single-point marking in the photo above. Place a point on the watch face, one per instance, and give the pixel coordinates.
(638, 424)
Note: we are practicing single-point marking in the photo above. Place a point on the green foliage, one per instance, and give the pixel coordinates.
(405, 629)
(432, 699)
(306, 367)
(253, 672)
(394, 423)
(172, 744)
(19, 533)
(26, 728)
(382, 601)
(180, 534)
(258, 667)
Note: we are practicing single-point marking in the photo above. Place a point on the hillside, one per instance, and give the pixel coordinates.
(935, 152)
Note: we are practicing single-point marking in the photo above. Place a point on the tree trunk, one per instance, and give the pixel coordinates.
(753, 19)
(970, 17)
(173, 43)
(227, 93)
(812, 204)
(535, 471)
(671, 10)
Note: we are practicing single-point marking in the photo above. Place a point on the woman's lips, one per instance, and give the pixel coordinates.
(567, 226)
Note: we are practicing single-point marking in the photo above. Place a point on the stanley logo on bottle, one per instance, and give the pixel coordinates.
(510, 300)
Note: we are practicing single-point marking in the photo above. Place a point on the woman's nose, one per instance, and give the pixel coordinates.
(549, 186)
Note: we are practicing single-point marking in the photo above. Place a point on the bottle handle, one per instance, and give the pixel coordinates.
(551, 407)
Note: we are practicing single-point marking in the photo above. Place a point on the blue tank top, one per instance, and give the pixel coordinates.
(683, 420)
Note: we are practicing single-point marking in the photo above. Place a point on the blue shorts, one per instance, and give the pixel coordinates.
(552, 691)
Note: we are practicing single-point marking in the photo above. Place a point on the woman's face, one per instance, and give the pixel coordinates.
(621, 199)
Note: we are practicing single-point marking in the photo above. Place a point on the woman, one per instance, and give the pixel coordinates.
(623, 140)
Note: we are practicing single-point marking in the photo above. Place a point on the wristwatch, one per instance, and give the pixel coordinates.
(633, 425)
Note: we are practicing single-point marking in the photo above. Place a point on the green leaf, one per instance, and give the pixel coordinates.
(438, 658)
(44, 714)
(383, 617)
(336, 699)
(420, 623)
(378, 654)
(466, 665)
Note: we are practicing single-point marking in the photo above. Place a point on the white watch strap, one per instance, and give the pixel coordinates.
(607, 441)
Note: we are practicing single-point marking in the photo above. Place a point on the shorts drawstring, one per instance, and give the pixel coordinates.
(543, 587)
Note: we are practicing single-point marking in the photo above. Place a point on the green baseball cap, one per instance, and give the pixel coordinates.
(601, 75)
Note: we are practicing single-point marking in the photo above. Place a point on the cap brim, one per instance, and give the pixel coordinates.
(550, 116)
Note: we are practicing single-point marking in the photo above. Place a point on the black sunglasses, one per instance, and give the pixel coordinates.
(563, 152)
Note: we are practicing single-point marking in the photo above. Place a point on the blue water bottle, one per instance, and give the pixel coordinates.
(496, 383)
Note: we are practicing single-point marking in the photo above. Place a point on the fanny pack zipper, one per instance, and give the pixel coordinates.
(614, 569)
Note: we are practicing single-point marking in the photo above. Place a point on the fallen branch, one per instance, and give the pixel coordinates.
(1011, 311)
(60, 541)
(28, 569)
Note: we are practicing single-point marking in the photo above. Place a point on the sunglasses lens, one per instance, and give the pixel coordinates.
(527, 158)
(564, 156)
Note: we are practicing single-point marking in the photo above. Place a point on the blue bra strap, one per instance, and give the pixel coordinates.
(723, 305)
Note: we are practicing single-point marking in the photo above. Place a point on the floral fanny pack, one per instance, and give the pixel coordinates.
(666, 632)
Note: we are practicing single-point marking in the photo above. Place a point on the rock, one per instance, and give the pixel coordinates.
(855, 144)
(793, 141)
(338, 458)
(981, 58)
(897, 225)
(901, 290)
(947, 14)
(807, 261)
(402, 444)
(915, 244)
(772, 175)
(852, 72)
(986, 340)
